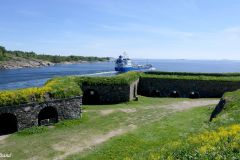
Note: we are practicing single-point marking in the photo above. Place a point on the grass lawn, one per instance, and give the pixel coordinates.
(138, 143)
(117, 131)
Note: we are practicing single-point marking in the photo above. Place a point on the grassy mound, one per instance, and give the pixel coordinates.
(66, 87)
(192, 76)
(223, 143)
(121, 79)
(61, 87)
(53, 89)
(221, 140)
(160, 132)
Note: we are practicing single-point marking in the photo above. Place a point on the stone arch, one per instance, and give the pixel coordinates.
(91, 96)
(155, 93)
(47, 116)
(8, 123)
(194, 94)
(174, 94)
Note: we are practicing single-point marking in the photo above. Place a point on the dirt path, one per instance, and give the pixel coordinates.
(3, 137)
(90, 143)
(70, 149)
(180, 106)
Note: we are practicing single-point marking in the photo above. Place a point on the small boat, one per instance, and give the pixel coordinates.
(124, 64)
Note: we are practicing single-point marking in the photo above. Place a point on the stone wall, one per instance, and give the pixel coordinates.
(104, 94)
(133, 90)
(27, 114)
(205, 89)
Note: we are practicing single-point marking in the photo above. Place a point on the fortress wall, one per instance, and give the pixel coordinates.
(105, 94)
(205, 89)
(27, 114)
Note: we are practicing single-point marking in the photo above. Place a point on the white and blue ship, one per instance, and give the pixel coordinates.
(124, 64)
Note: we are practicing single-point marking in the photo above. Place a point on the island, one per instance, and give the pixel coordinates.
(20, 59)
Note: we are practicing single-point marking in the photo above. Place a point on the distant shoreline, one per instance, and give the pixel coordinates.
(20, 59)
(35, 63)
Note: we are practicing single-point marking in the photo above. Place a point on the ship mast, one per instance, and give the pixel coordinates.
(125, 55)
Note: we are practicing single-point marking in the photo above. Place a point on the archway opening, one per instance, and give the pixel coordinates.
(174, 94)
(155, 93)
(8, 123)
(47, 116)
(90, 97)
(194, 94)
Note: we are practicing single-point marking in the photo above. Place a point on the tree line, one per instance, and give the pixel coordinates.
(7, 54)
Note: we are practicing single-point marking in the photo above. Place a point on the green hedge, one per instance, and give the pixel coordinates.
(61, 87)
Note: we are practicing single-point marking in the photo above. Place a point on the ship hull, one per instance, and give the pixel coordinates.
(127, 69)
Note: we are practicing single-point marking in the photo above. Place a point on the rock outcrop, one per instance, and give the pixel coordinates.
(16, 63)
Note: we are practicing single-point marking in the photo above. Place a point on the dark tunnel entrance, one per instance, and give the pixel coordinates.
(8, 123)
(174, 94)
(155, 93)
(90, 97)
(47, 116)
(194, 95)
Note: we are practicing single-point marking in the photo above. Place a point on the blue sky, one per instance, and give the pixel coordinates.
(163, 29)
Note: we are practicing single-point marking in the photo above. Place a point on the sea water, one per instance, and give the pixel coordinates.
(30, 77)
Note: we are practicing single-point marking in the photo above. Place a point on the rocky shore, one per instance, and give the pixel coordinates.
(16, 63)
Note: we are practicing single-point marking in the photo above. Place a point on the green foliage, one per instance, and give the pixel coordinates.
(20, 96)
(193, 76)
(121, 79)
(50, 58)
(54, 89)
(232, 98)
(59, 59)
(2, 53)
(61, 87)
(220, 140)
